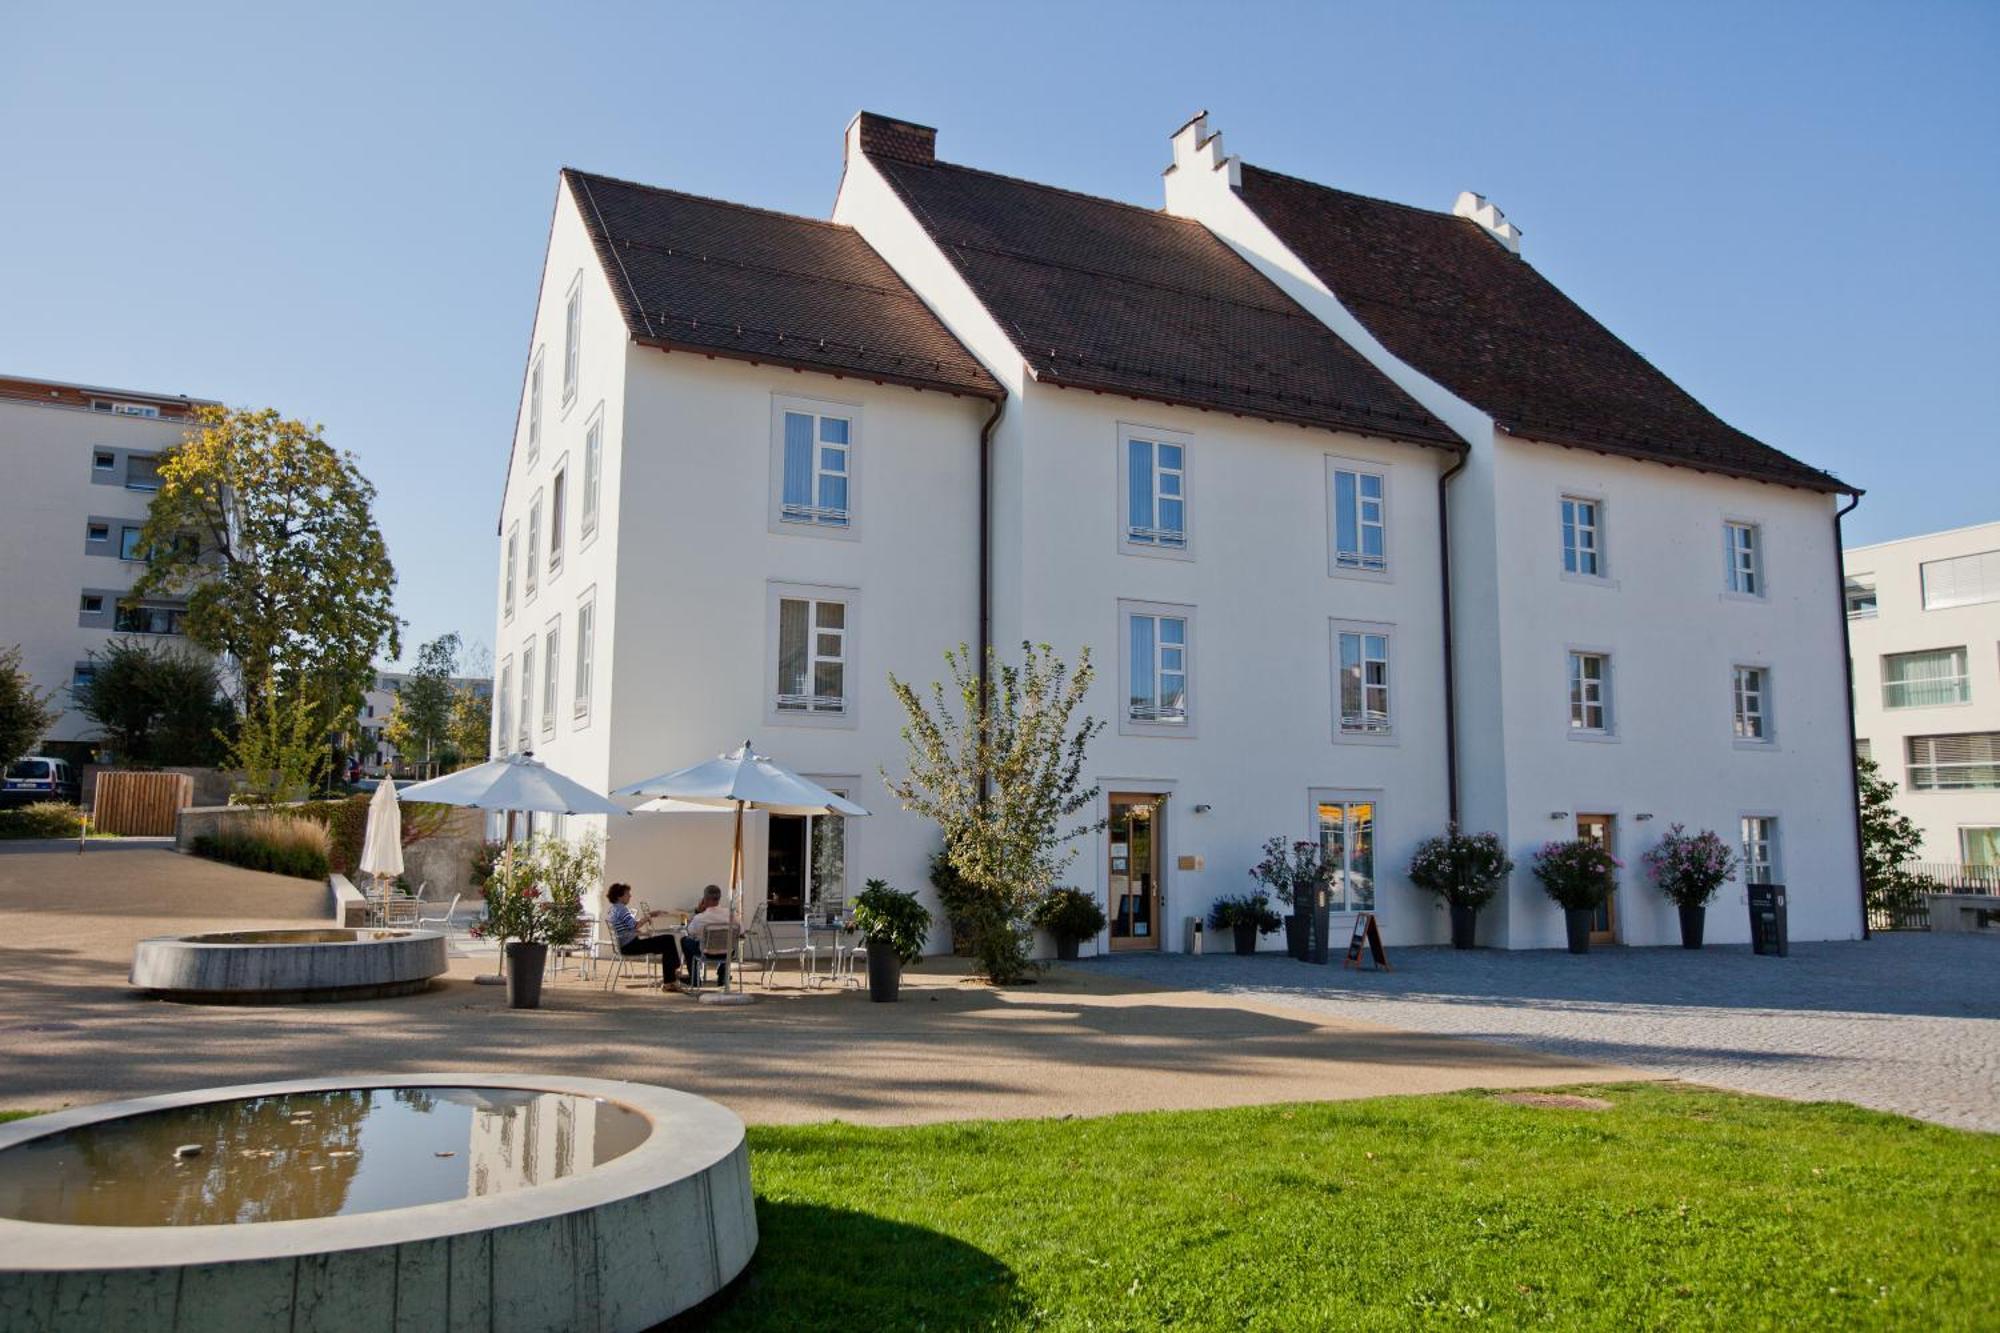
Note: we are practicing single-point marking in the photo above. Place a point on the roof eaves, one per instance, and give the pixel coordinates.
(1808, 478)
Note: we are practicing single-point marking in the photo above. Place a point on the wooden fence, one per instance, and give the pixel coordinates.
(141, 805)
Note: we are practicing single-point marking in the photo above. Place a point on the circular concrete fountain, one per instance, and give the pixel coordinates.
(421, 1201)
(285, 966)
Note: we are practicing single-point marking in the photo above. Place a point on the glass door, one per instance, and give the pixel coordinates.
(1601, 829)
(1133, 877)
(785, 869)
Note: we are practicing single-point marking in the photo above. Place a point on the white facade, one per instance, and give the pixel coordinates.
(1924, 627)
(79, 479)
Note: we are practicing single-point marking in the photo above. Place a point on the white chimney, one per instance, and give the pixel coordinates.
(1476, 207)
(1199, 164)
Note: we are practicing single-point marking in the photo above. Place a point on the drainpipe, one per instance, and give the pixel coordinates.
(1450, 674)
(1853, 764)
(986, 561)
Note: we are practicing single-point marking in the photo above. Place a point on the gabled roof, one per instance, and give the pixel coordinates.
(702, 275)
(1443, 296)
(1097, 294)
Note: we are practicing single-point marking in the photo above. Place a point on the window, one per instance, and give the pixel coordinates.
(98, 532)
(92, 604)
(142, 473)
(1590, 693)
(128, 544)
(1926, 679)
(586, 649)
(818, 468)
(1760, 849)
(148, 620)
(827, 851)
(1583, 541)
(527, 689)
(1347, 836)
(103, 460)
(812, 656)
(1744, 552)
(551, 674)
(572, 337)
(593, 472)
(1970, 762)
(1360, 534)
(124, 409)
(1361, 674)
(534, 541)
(1156, 667)
(1155, 492)
(1962, 580)
(558, 502)
(1864, 748)
(506, 705)
(513, 552)
(1979, 847)
(1860, 596)
(1752, 691)
(535, 408)
(82, 676)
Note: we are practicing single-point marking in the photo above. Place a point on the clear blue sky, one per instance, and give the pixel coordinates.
(339, 211)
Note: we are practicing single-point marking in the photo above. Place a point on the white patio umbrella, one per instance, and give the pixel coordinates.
(382, 845)
(739, 781)
(517, 783)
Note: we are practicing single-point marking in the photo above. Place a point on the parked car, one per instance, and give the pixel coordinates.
(39, 778)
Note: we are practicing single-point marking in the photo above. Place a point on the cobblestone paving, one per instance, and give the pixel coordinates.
(1903, 1022)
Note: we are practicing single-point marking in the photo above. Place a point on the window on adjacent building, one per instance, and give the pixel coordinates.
(1157, 668)
(148, 620)
(586, 651)
(534, 543)
(1760, 849)
(1864, 748)
(513, 558)
(551, 674)
(558, 506)
(103, 460)
(572, 336)
(1583, 537)
(1360, 520)
(92, 604)
(1925, 679)
(812, 656)
(1979, 847)
(1743, 549)
(128, 544)
(527, 691)
(142, 472)
(81, 677)
(1860, 594)
(818, 469)
(1589, 692)
(593, 472)
(1752, 691)
(1961, 580)
(506, 706)
(124, 409)
(1362, 669)
(98, 532)
(1155, 493)
(1347, 836)
(535, 407)
(1969, 762)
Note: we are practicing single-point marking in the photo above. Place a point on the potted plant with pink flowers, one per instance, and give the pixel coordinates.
(1465, 870)
(1579, 874)
(1689, 868)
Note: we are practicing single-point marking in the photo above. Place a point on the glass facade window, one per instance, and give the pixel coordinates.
(1347, 836)
(1926, 679)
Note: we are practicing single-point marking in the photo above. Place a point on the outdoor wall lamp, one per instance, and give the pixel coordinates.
(1203, 809)
(1558, 814)
(1642, 818)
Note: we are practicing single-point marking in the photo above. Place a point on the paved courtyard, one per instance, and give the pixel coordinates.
(1902, 1022)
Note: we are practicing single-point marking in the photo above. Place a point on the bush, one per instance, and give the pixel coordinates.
(1245, 909)
(892, 920)
(1464, 869)
(1690, 867)
(43, 819)
(1292, 873)
(1579, 874)
(959, 898)
(280, 844)
(1069, 914)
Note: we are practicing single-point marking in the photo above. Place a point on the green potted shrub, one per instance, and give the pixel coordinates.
(534, 903)
(1071, 915)
(1292, 874)
(895, 925)
(1248, 915)
(1465, 870)
(1689, 868)
(1579, 874)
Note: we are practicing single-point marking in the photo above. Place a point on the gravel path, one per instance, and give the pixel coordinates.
(1904, 1022)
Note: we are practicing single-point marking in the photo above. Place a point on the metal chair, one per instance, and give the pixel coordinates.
(717, 943)
(442, 921)
(771, 953)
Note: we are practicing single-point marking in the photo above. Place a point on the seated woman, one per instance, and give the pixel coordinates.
(625, 924)
(710, 913)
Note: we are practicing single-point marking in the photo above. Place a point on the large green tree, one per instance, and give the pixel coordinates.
(25, 712)
(1889, 842)
(158, 705)
(420, 726)
(471, 732)
(270, 535)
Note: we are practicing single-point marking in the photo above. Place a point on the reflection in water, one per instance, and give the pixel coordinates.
(317, 1154)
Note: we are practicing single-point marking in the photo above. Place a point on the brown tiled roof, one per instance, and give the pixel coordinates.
(1446, 298)
(703, 275)
(1102, 295)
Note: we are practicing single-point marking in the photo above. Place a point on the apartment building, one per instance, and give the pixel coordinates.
(376, 754)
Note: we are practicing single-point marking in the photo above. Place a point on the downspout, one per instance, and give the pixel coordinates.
(986, 559)
(1853, 763)
(1450, 673)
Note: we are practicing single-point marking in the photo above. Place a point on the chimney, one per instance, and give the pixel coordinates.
(900, 140)
(1476, 207)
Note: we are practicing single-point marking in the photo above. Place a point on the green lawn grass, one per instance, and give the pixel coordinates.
(1678, 1208)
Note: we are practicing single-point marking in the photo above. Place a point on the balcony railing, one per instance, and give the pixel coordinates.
(1911, 910)
(1926, 693)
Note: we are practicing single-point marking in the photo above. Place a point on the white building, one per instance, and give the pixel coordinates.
(81, 470)
(763, 461)
(1924, 627)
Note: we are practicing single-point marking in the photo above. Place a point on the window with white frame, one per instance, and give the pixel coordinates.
(1860, 596)
(1583, 536)
(1961, 580)
(572, 337)
(815, 465)
(1590, 693)
(551, 674)
(506, 706)
(1743, 549)
(534, 543)
(1155, 467)
(1360, 500)
(812, 656)
(1752, 693)
(1361, 674)
(513, 559)
(1968, 762)
(593, 472)
(1346, 825)
(1864, 748)
(558, 506)
(586, 653)
(1156, 666)
(1760, 849)
(1979, 845)
(535, 407)
(1925, 679)
(527, 691)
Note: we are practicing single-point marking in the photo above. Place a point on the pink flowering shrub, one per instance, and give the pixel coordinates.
(1579, 873)
(1690, 867)
(1464, 869)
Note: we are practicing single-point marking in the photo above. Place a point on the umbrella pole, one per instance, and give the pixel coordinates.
(499, 975)
(736, 898)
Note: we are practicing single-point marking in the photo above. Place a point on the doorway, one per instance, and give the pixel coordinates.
(1133, 872)
(1602, 830)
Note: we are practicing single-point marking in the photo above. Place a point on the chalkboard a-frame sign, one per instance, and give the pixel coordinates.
(1366, 930)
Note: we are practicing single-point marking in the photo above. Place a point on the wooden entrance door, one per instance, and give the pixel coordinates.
(1133, 872)
(1602, 830)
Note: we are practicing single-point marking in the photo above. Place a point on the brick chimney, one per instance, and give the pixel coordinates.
(1476, 207)
(900, 140)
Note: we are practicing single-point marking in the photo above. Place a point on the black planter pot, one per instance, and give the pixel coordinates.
(526, 964)
(885, 973)
(1246, 937)
(1692, 919)
(1578, 921)
(1066, 948)
(1298, 934)
(1464, 925)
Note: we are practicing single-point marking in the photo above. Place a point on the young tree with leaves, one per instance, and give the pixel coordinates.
(270, 535)
(1002, 777)
(420, 725)
(25, 712)
(470, 734)
(1889, 842)
(158, 705)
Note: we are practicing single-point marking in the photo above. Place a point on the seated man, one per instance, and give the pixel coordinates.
(710, 913)
(625, 926)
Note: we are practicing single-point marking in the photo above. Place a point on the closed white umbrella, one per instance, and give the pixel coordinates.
(382, 845)
(739, 781)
